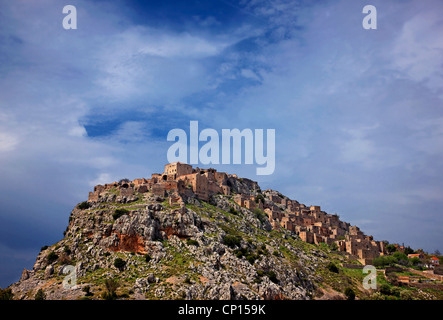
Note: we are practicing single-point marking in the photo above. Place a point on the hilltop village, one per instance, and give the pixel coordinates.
(181, 181)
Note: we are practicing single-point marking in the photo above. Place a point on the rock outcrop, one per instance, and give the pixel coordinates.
(158, 247)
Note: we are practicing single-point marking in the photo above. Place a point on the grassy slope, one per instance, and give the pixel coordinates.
(175, 268)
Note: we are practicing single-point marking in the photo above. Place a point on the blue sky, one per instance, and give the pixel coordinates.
(358, 113)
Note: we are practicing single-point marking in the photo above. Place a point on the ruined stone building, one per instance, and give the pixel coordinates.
(316, 226)
(180, 181)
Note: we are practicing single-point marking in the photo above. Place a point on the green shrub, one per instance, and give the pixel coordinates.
(332, 267)
(251, 258)
(6, 294)
(147, 258)
(400, 256)
(119, 212)
(111, 287)
(51, 257)
(233, 211)
(231, 240)
(385, 289)
(260, 215)
(119, 263)
(350, 294)
(259, 197)
(272, 276)
(240, 252)
(67, 250)
(44, 248)
(384, 261)
(87, 291)
(243, 252)
(406, 295)
(415, 261)
(40, 295)
(395, 291)
(84, 205)
(192, 242)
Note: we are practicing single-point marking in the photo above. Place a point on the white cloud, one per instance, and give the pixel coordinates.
(417, 52)
(102, 179)
(247, 73)
(320, 89)
(8, 142)
(133, 132)
(358, 148)
(160, 66)
(77, 131)
(178, 45)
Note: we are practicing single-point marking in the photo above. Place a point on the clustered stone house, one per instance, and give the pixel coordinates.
(178, 180)
(310, 223)
(316, 226)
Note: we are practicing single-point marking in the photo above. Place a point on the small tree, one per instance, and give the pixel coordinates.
(350, 294)
(51, 257)
(40, 295)
(260, 215)
(6, 294)
(231, 240)
(391, 248)
(272, 276)
(385, 289)
(119, 263)
(67, 250)
(259, 197)
(415, 261)
(192, 242)
(332, 267)
(401, 258)
(406, 295)
(87, 291)
(251, 258)
(111, 287)
(84, 205)
(119, 212)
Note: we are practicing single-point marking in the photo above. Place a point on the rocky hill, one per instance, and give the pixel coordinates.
(141, 245)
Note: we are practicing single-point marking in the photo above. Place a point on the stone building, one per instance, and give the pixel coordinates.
(310, 223)
(177, 169)
(316, 226)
